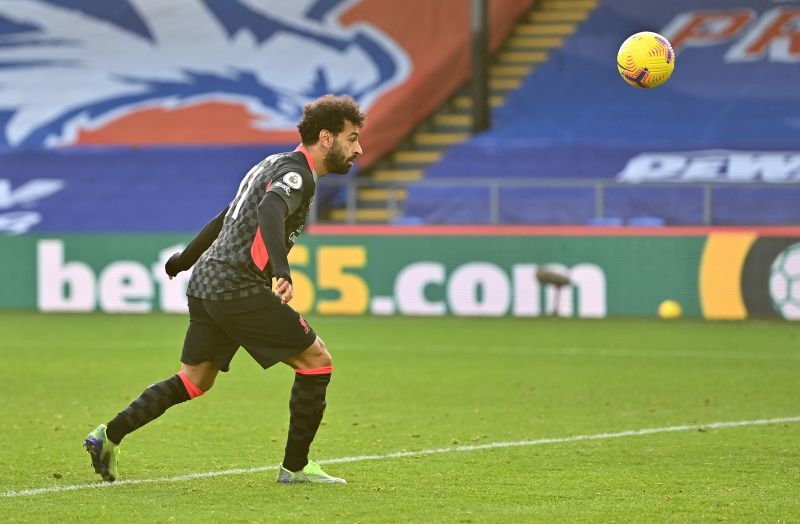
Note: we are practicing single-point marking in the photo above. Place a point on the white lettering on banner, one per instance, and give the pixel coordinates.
(484, 289)
(479, 289)
(173, 290)
(588, 282)
(124, 286)
(526, 291)
(475, 288)
(409, 289)
(62, 287)
(704, 168)
(706, 28)
(773, 36)
(713, 166)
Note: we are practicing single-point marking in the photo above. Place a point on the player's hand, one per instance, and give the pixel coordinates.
(173, 266)
(284, 290)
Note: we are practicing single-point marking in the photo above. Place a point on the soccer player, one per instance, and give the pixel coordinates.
(231, 300)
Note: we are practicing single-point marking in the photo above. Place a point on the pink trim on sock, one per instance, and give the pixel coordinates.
(316, 371)
(193, 390)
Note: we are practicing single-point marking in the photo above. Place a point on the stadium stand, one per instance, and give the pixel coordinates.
(177, 121)
(716, 144)
(540, 28)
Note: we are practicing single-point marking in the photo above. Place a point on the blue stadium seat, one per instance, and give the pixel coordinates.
(605, 221)
(646, 222)
(407, 221)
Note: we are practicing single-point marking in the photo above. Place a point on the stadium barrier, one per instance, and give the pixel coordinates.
(426, 270)
(576, 201)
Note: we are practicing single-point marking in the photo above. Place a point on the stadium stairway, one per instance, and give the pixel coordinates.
(543, 28)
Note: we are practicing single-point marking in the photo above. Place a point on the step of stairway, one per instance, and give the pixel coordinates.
(558, 16)
(544, 29)
(538, 43)
(439, 139)
(397, 175)
(412, 157)
(382, 195)
(379, 215)
(572, 5)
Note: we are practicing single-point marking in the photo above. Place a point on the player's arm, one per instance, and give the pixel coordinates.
(284, 197)
(272, 212)
(186, 258)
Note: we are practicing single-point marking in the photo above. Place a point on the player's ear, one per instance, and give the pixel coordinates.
(326, 138)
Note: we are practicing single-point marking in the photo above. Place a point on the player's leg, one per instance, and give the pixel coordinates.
(207, 349)
(190, 382)
(313, 368)
(273, 332)
(101, 444)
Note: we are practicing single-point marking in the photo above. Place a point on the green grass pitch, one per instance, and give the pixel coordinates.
(416, 384)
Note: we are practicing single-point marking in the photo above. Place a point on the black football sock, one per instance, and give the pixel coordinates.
(306, 407)
(150, 405)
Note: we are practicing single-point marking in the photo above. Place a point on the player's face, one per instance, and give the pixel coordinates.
(344, 151)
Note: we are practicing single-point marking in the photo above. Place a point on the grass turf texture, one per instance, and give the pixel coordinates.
(413, 384)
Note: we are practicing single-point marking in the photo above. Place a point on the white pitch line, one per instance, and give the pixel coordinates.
(404, 454)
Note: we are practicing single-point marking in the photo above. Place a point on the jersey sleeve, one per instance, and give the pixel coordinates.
(291, 186)
(197, 246)
(273, 234)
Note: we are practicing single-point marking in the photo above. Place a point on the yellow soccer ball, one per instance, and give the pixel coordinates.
(669, 310)
(646, 60)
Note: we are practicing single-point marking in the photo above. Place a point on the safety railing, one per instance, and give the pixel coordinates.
(394, 203)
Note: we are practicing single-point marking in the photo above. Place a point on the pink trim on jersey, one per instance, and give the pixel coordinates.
(193, 390)
(316, 371)
(258, 250)
(305, 152)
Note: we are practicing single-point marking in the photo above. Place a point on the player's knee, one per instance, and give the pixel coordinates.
(322, 358)
(316, 356)
(198, 379)
(205, 385)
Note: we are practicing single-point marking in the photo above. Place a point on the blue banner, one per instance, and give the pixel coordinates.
(123, 190)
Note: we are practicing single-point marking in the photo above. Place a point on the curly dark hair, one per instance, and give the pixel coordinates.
(328, 112)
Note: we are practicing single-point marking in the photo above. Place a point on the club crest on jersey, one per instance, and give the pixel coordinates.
(293, 180)
(62, 75)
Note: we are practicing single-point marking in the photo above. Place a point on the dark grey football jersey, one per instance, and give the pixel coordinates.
(236, 264)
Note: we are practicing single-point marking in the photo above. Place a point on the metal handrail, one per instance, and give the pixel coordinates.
(353, 184)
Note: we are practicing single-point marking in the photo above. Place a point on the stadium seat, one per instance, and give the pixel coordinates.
(407, 221)
(646, 221)
(605, 221)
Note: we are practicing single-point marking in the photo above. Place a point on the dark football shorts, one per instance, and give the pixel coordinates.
(268, 330)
